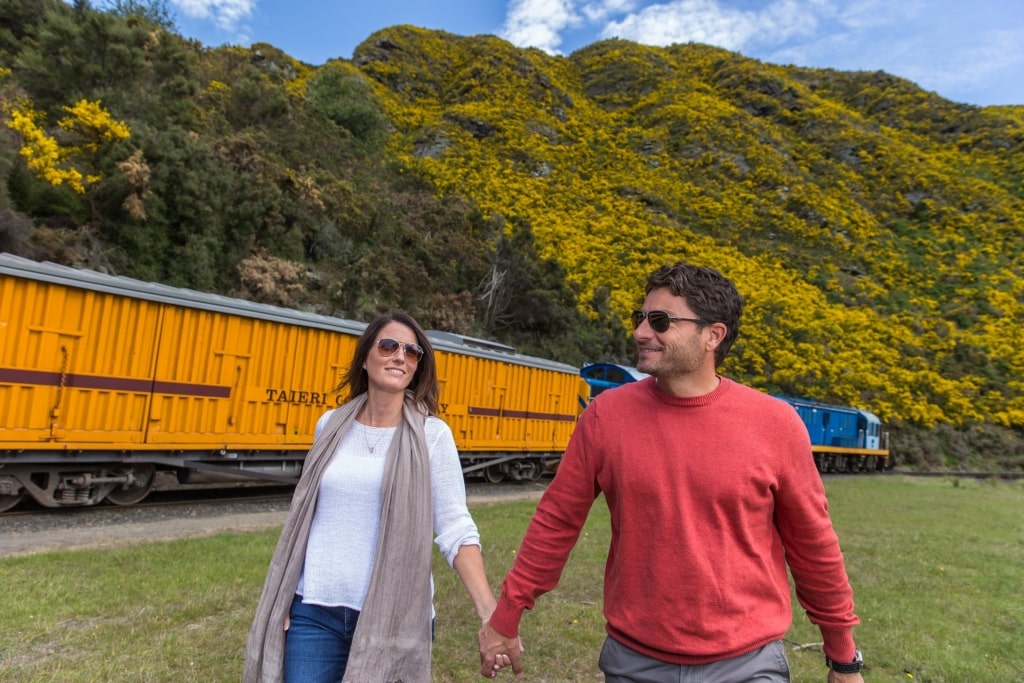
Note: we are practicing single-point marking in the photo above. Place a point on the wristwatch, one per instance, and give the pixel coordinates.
(853, 667)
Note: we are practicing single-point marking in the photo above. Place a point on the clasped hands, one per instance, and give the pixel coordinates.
(498, 651)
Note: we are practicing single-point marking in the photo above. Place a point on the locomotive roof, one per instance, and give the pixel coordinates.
(627, 369)
(809, 403)
(121, 285)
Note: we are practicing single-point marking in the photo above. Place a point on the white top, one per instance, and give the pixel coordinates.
(342, 543)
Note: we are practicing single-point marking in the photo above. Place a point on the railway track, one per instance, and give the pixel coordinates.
(186, 512)
(1008, 476)
(168, 498)
(190, 511)
(172, 495)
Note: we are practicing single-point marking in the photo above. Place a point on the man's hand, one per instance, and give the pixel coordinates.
(497, 651)
(834, 677)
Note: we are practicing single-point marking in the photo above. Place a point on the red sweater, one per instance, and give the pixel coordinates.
(709, 499)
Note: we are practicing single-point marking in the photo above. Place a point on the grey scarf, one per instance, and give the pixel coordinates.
(392, 638)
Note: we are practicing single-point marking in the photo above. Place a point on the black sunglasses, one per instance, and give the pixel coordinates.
(660, 320)
(389, 347)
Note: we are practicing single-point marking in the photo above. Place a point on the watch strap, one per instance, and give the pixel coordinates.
(851, 668)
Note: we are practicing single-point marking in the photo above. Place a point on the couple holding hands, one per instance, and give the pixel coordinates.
(712, 491)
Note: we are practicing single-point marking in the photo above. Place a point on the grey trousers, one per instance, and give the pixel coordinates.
(620, 664)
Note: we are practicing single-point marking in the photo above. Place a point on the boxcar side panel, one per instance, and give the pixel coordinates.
(243, 381)
(487, 400)
(76, 365)
(553, 409)
(194, 376)
(516, 429)
(319, 361)
(468, 399)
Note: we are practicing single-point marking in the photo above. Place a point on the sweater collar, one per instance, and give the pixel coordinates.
(707, 399)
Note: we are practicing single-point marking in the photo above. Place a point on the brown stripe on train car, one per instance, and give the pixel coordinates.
(53, 379)
(524, 414)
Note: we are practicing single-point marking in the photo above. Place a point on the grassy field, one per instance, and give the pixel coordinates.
(937, 567)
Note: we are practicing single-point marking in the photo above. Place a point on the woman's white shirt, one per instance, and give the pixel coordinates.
(343, 537)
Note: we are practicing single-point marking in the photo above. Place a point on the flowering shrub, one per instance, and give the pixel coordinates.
(869, 255)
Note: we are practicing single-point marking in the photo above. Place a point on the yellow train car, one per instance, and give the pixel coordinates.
(105, 380)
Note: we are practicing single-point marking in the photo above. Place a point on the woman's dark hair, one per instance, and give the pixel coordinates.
(424, 387)
(710, 294)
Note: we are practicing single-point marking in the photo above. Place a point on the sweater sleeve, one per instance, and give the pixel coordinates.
(453, 524)
(552, 532)
(812, 550)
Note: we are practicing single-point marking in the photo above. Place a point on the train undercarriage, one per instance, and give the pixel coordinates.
(86, 479)
(75, 487)
(89, 478)
(830, 463)
(499, 467)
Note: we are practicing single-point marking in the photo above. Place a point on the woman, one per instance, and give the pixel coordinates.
(382, 475)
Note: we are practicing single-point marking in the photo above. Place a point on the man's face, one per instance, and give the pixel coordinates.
(679, 350)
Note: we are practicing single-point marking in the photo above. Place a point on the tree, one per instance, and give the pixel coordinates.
(344, 96)
(155, 12)
(74, 160)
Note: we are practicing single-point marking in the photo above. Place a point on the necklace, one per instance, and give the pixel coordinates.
(381, 433)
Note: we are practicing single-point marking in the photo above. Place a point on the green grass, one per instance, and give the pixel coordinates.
(937, 567)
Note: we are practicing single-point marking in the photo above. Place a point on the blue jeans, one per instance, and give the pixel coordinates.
(317, 642)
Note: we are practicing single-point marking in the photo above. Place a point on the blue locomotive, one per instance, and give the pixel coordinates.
(601, 376)
(843, 439)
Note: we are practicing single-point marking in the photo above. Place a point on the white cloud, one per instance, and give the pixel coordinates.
(710, 21)
(967, 51)
(596, 12)
(539, 23)
(226, 14)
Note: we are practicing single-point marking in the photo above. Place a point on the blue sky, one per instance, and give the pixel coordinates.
(969, 51)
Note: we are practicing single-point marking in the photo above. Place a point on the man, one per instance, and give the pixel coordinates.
(712, 490)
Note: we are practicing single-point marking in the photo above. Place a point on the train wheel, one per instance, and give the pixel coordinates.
(494, 474)
(7, 501)
(136, 490)
(533, 470)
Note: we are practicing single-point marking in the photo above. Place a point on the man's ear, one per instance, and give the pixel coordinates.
(718, 332)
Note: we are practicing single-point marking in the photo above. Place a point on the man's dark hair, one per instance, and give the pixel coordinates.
(710, 294)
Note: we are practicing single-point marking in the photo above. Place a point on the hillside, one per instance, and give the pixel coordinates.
(880, 259)
(874, 229)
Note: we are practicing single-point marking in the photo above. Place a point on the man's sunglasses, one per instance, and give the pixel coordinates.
(660, 320)
(389, 347)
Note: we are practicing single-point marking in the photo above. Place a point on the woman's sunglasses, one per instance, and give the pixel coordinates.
(389, 347)
(660, 320)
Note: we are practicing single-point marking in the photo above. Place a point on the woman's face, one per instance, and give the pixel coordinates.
(393, 359)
